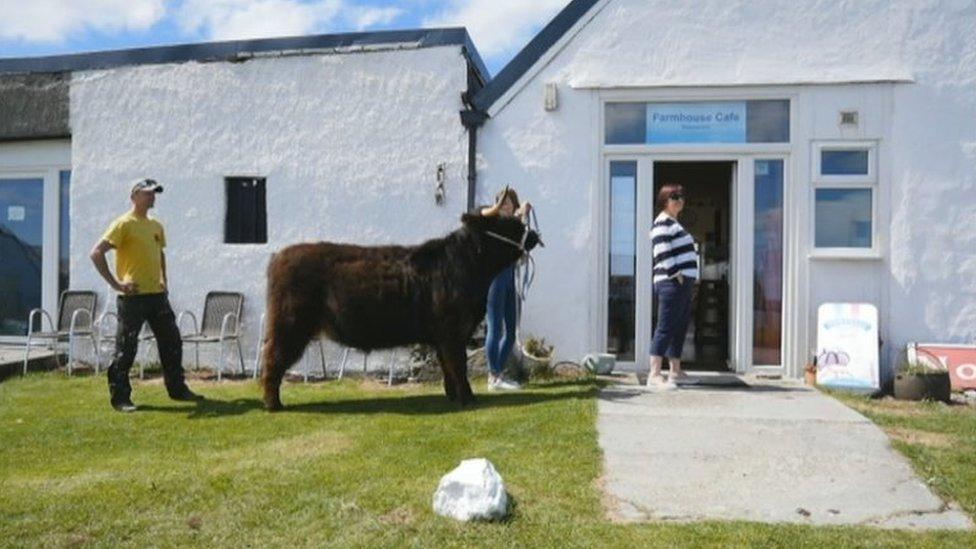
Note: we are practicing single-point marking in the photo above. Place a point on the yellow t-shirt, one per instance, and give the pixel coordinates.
(139, 244)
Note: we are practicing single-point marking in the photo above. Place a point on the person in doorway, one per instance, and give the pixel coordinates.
(674, 274)
(140, 280)
(502, 314)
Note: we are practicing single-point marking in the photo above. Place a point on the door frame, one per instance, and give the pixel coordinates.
(741, 260)
(41, 160)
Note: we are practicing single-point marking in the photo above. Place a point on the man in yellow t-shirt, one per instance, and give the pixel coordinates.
(140, 280)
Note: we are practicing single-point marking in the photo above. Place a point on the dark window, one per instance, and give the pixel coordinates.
(246, 220)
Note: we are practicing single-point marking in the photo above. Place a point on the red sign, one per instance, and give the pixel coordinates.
(959, 360)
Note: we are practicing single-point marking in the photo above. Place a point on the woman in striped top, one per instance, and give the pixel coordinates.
(675, 272)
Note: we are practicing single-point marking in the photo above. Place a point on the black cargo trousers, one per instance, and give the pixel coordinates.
(133, 310)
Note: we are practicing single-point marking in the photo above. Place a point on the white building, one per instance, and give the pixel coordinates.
(828, 152)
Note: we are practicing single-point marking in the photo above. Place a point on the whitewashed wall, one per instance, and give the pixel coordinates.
(349, 144)
(925, 281)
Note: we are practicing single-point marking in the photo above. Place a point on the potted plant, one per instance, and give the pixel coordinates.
(920, 381)
(537, 357)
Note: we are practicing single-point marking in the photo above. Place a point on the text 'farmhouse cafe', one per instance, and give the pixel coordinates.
(827, 154)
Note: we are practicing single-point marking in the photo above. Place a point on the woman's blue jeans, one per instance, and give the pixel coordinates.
(673, 312)
(501, 320)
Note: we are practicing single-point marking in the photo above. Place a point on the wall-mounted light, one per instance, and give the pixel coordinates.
(552, 97)
(441, 178)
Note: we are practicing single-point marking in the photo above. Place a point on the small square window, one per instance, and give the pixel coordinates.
(844, 162)
(843, 218)
(246, 220)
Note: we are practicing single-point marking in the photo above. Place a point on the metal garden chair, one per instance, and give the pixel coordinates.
(76, 312)
(305, 365)
(221, 322)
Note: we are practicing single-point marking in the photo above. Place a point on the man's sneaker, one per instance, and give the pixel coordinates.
(186, 395)
(123, 405)
(501, 384)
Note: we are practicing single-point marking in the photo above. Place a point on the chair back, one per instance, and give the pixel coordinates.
(74, 300)
(216, 306)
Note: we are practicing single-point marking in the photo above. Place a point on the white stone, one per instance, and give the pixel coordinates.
(472, 491)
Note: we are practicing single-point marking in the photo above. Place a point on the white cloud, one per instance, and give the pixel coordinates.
(498, 26)
(238, 19)
(57, 20)
(364, 18)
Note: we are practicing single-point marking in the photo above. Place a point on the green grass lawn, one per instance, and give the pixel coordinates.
(348, 463)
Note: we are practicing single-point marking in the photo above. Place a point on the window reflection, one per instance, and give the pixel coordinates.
(623, 260)
(843, 218)
(768, 264)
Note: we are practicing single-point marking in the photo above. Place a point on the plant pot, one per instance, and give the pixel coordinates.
(810, 377)
(931, 386)
(536, 366)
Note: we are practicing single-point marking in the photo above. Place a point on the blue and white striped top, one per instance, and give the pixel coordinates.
(673, 250)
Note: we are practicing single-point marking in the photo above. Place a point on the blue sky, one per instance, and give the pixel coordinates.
(46, 27)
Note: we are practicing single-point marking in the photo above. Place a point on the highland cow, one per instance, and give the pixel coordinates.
(382, 297)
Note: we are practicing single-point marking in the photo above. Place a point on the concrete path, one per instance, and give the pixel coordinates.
(769, 452)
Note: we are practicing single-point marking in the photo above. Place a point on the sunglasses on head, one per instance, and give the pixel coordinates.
(676, 196)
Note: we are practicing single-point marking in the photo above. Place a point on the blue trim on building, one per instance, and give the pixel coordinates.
(532, 52)
(239, 50)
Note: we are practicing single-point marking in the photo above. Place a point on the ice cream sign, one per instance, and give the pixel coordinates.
(704, 122)
(847, 346)
(958, 360)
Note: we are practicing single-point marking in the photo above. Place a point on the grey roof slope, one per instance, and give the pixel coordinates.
(237, 50)
(532, 52)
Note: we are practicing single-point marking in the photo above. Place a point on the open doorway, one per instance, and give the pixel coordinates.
(707, 217)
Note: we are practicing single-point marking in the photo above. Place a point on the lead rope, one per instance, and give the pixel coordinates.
(524, 276)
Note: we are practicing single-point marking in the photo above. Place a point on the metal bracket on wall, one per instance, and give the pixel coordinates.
(441, 177)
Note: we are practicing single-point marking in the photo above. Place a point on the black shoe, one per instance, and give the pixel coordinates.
(186, 395)
(123, 405)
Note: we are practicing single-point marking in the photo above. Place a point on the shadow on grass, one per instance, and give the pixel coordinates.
(430, 404)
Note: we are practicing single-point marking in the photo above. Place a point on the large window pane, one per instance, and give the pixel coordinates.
(64, 232)
(848, 162)
(21, 249)
(843, 218)
(768, 264)
(623, 259)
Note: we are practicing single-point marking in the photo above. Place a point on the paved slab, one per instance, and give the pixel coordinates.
(769, 452)
(12, 360)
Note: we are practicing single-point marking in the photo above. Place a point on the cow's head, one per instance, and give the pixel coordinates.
(504, 237)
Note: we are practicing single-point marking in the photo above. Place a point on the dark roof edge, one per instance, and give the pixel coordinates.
(532, 52)
(235, 50)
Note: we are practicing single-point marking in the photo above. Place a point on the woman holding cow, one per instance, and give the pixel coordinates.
(502, 313)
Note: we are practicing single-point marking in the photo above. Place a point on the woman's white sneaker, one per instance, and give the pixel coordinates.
(501, 384)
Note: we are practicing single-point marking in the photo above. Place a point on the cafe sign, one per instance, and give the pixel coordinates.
(699, 122)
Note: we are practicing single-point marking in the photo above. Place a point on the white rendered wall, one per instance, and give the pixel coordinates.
(349, 145)
(924, 279)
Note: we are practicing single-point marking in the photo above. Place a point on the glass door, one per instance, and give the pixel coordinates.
(21, 251)
(768, 255)
(622, 261)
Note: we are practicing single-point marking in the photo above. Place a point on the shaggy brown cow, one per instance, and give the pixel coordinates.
(388, 296)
